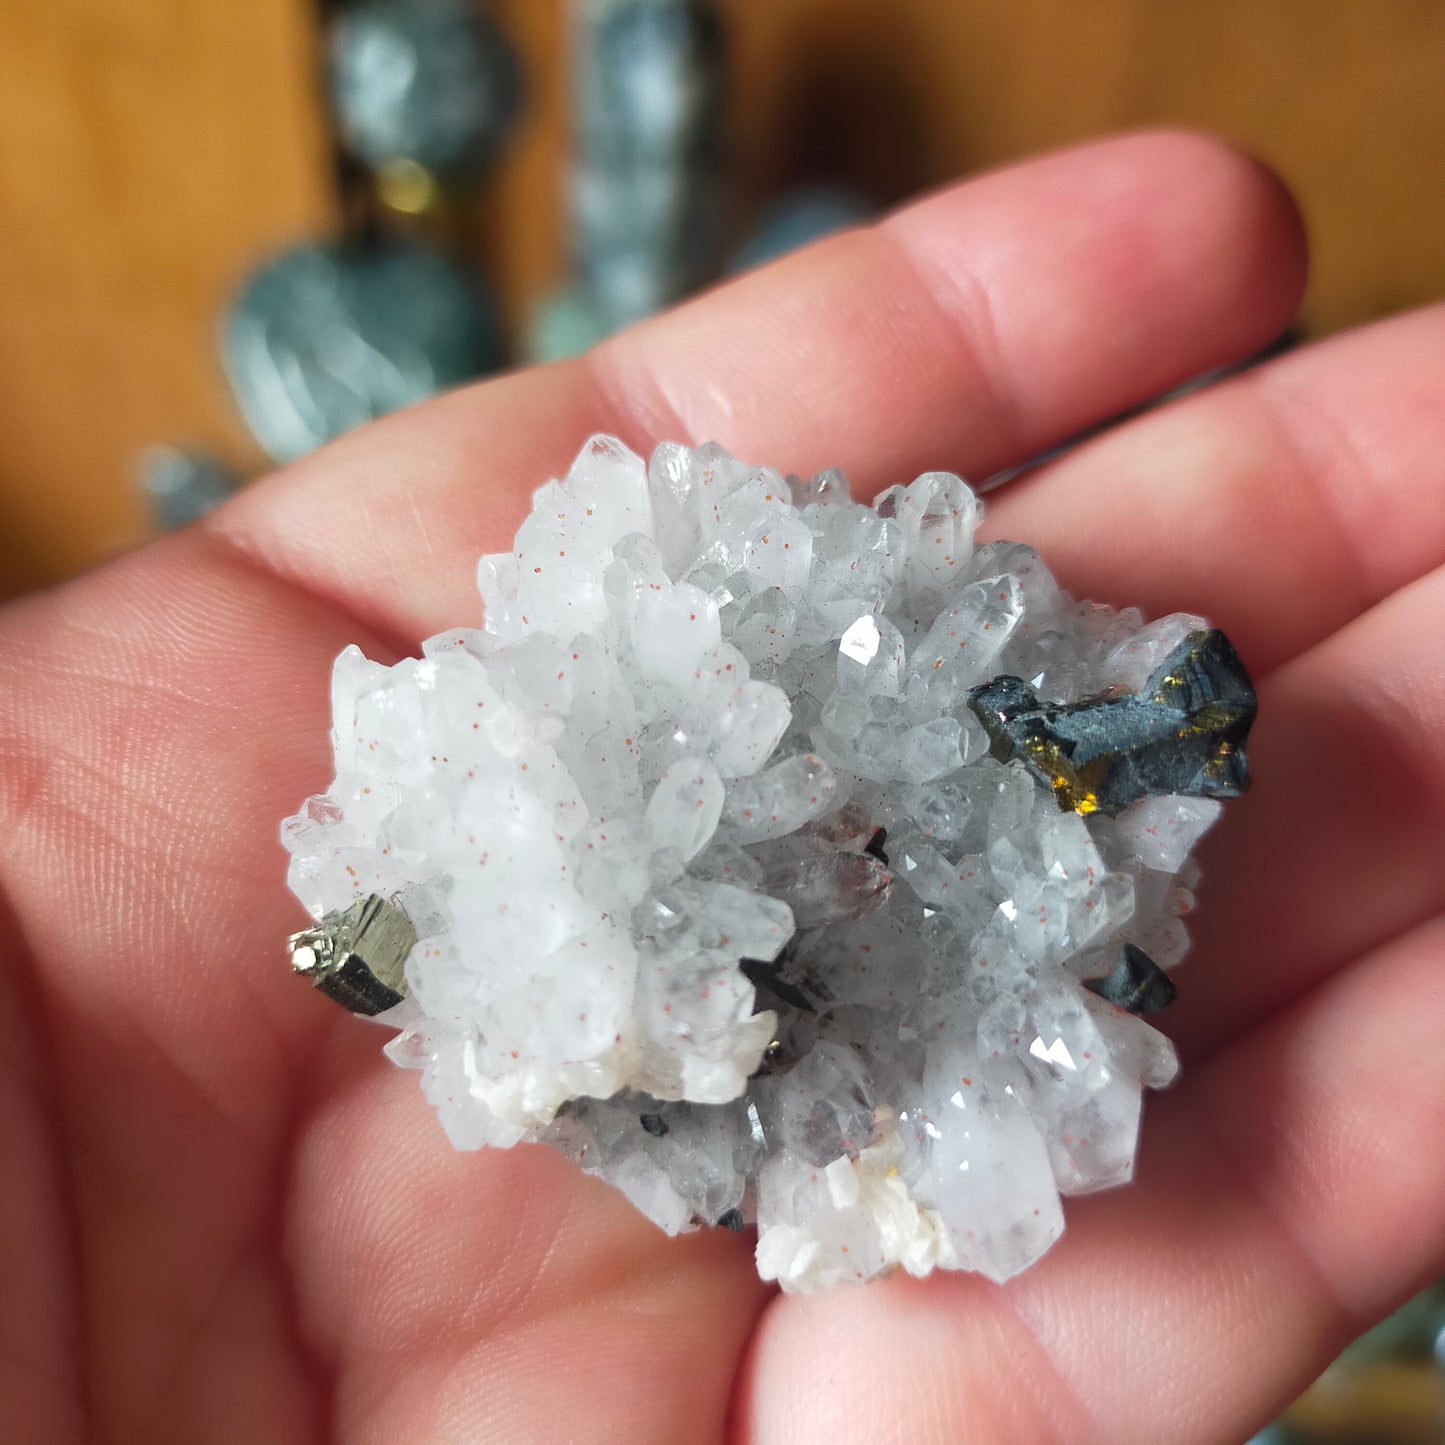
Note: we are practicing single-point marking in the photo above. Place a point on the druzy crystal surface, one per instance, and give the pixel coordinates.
(784, 860)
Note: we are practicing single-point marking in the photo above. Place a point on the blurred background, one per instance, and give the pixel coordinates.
(229, 231)
(470, 184)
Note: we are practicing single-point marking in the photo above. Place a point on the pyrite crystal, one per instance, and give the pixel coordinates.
(784, 861)
(357, 957)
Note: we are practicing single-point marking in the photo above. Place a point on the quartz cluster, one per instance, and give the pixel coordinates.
(781, 860)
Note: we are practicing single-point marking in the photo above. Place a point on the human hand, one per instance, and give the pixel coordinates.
(227, 1219)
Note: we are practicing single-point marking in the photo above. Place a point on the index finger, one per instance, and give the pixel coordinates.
(968, 331)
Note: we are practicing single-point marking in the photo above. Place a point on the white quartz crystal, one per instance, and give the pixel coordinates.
(698, 691)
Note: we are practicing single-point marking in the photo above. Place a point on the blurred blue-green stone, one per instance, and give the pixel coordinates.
(560, 324)
(801, 216)
(429, 81)
(647, 180)
(326, 337)
(181, 486)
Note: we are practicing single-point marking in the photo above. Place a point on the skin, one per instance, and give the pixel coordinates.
(226, 1218)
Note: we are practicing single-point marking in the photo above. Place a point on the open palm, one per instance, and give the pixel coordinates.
(225, 1218)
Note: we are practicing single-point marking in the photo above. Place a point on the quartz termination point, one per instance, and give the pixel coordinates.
(785, 862)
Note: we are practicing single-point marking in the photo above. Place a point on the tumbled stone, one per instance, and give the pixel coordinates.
(323, 338)
(434, 83)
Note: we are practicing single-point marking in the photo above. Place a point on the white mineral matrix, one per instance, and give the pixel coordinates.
(785, 860)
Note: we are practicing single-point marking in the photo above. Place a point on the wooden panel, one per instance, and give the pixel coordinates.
(1346, 100)
(520, 217)
(151, 150)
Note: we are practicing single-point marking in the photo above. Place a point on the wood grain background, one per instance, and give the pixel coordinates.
(151, 150)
